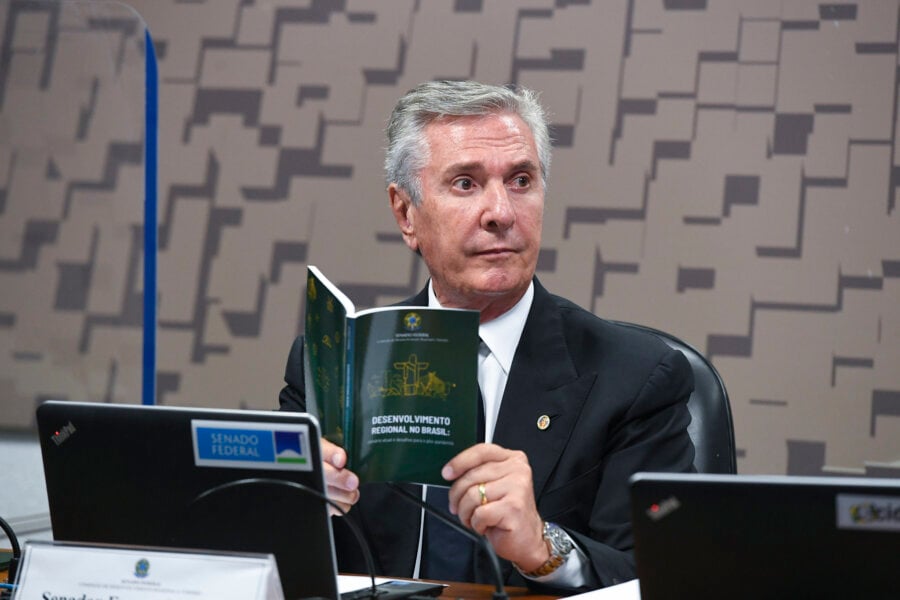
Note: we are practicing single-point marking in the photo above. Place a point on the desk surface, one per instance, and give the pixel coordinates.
(467, 591)
(478, 591)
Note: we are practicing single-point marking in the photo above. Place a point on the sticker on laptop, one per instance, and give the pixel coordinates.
(659, 510)
(868, 512)
(240, 445)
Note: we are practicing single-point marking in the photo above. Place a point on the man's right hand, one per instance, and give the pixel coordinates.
(342, 484)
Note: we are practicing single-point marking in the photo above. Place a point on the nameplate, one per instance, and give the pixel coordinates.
(65, 571)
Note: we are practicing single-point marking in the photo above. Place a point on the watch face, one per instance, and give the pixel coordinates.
(561, 543)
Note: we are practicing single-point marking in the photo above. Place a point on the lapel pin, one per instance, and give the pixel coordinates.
(543, 422)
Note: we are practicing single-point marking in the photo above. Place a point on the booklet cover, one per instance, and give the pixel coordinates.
(395, 386)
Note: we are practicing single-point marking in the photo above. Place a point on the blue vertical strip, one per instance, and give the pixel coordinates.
(151, 138)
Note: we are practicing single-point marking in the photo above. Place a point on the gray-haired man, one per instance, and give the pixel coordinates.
(573, 404)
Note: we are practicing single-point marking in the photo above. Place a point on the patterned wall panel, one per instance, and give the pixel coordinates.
(725, 170)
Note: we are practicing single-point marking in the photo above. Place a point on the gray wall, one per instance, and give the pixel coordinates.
(725, 170)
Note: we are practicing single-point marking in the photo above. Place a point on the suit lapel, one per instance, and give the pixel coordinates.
(542, 382)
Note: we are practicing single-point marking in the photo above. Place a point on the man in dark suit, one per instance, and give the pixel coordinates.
(573, 404)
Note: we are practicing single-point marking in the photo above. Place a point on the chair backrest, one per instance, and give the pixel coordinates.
(711, 428)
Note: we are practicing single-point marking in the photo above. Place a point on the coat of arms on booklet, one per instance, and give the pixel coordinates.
(395, 386)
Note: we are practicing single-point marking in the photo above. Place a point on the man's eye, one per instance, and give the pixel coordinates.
(522, 181)
(463, 183)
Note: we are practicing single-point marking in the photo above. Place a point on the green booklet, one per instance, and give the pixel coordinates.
(396, 386)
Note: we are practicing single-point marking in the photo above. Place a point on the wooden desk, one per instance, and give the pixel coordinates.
(480, 591)
(4, 573)
(466, 591)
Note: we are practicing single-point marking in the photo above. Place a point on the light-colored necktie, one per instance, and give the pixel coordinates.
(490, 380)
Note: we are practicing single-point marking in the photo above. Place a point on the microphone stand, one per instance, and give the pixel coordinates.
(367, 553)
(499, 591)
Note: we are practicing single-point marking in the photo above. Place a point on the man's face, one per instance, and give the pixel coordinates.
(478, 226)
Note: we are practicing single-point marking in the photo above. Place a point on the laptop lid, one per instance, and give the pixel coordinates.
(192, 478)
(731, 536)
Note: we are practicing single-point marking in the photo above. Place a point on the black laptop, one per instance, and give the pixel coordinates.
(196, 478)
(739, 536)
(137, 475)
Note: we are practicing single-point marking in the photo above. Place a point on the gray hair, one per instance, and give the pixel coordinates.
(407, 151)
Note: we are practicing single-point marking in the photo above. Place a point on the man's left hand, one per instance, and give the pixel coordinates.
(492, 493)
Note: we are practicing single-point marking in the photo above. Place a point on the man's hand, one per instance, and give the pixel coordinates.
(342, 484)
(504, 509)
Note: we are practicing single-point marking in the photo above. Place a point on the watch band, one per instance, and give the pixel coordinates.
(559, 544)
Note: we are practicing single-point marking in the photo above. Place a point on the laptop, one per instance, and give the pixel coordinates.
(234, 480)
(739, 536)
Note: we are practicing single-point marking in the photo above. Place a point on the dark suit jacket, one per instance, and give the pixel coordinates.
(616, 399)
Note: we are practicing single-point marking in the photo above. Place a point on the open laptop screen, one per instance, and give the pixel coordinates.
(744, 536)
(137, 475)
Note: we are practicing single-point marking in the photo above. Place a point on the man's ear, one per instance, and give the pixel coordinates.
(404, 214)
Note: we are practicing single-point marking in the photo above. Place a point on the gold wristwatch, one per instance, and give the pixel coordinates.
(559, 544)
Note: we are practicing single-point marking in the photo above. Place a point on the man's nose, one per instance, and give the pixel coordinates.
(498, 213)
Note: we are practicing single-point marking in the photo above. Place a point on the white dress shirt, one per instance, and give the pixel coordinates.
(501, 336)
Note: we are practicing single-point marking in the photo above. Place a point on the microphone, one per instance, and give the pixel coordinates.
(499, 591)
(367, 553)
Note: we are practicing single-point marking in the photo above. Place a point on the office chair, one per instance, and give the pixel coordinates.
(711, 428)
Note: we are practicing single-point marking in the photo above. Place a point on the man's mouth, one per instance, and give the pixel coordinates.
(495, 251)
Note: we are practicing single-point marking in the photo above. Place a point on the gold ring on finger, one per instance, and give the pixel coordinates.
(482, 491)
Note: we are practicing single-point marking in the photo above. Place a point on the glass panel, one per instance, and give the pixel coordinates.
(72, 198)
